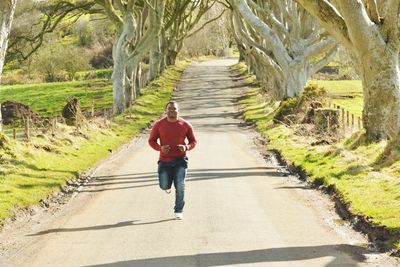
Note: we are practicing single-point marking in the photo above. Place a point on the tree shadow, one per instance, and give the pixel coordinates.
(294, 187)
(351, 170)
(193, 176)
(122, 175)
(343, 255)
(356, 140)
(34, 167)
(389, 155)
(213, 115)
(97, 227)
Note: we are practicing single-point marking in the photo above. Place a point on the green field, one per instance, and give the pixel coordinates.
(48, 99)
(347, 94)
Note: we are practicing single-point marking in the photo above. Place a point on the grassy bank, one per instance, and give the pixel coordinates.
(364, 177)
(31, 171)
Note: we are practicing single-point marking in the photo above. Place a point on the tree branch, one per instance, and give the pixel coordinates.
(53, 17)
(391, 21)
(329, 18)
(319, 48)
(265, 31)
(202, 26)
(325, 60)
(372, 9)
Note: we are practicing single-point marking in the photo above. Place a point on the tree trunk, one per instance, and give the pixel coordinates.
(138, 79)
(118, 77)
(129, 88)
(155, 60)
(380, 79)
(146, 42)
(296, 79)
(121, 73)
(7, 8)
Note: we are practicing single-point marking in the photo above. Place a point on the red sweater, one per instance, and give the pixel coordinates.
(172, 134)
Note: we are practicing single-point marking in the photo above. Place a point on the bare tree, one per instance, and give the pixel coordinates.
(369, 30)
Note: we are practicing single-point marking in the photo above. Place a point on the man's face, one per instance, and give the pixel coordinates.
(172, 111)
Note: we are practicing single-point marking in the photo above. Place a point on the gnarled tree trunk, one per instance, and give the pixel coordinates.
(381, 113)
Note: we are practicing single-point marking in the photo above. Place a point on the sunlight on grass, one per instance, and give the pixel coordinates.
(347, 93)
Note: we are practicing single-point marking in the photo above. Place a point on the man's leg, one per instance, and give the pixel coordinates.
(179, 183)
(165, 175)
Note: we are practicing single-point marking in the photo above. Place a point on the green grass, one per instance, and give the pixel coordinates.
(347, 94)
(99, 74)
(350, 166)
(31, 171)
(48, 99)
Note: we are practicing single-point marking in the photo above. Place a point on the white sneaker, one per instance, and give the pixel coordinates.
(168, 191)
(178, 215)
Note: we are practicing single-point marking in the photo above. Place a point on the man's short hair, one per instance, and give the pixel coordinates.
(171, 102)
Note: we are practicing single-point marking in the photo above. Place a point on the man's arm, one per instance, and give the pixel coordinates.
(154, 135)
(191, 138)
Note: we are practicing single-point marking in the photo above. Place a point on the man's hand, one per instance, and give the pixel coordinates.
(182, 148)
(165, 149)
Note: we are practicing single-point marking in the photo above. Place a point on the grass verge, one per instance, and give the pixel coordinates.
(354, 169)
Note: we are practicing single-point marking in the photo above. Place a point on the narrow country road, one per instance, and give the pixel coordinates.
(240, 210)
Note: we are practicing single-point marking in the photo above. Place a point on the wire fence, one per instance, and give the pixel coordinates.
(26, 128)
(348, 122)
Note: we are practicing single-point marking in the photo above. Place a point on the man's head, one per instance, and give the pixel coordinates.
(172, 110)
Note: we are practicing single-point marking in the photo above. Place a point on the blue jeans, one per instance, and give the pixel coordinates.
(174, 171)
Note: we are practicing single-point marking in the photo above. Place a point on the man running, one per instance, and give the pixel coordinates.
(172, 165)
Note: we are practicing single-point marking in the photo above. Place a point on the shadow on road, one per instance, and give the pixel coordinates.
(98, 227)
(344, 255)
(294, 187)
(99, 184)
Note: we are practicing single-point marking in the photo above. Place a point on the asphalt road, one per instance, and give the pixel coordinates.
(240, 209)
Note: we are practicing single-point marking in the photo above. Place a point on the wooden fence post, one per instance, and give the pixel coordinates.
(53, 126)
(15, 134)
(1, 120)
(27, 133)
(93, 109)
(359, 123)
(347, 118)
(343, 122)
(328, 122)
(352, 120)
